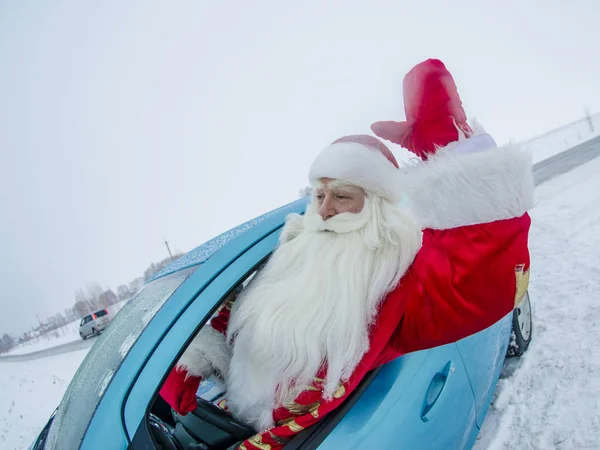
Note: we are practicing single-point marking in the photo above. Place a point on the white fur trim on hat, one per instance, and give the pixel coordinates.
(360, 165)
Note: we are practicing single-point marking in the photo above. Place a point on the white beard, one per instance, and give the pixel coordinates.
(313, 304)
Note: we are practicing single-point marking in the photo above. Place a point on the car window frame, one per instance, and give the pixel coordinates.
(111, 414)
(237, 272)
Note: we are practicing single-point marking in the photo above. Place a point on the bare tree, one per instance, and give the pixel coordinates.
(123, 292)
(154, 268)
(108, 298)
(6, 343)
(94, 291)
(80, 295)
(82, 308)
(70, 314)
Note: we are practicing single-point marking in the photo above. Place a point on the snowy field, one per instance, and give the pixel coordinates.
(29, 392)
(550, 398)
(546, 400)
(60, 336)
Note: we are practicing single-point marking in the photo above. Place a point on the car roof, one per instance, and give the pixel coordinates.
(202, 253)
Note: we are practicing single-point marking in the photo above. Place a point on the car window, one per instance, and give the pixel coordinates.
(100, 313)
(212, 389)
(82, 322)
(104, 359)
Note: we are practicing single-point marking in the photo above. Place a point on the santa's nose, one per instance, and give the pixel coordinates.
(327, 209)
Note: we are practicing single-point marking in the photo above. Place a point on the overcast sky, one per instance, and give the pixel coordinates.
(125, 123)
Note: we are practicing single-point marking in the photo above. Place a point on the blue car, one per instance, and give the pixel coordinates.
(431, 399)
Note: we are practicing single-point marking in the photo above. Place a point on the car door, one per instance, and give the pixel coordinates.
(422, 400)
(483, 354)
(87, 325)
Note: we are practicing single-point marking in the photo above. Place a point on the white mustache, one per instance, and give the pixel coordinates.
(341, 223)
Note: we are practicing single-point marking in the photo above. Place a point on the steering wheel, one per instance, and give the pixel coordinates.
(222, 419)
(209, 424)
(163, 434)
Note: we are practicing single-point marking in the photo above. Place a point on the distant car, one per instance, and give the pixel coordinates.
(431, 399)
(94, 324)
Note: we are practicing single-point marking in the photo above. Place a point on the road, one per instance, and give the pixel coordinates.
(564, 162)
(64, 348)
(542, 172)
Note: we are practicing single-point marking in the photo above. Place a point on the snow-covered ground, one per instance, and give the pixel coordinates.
(550, 399)
(29, 392)
(546, 400)
(563, 138)
(60, 336)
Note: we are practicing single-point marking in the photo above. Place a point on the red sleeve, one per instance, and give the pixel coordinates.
(463, 281)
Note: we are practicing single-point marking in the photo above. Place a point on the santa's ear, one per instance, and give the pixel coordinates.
(391, 131)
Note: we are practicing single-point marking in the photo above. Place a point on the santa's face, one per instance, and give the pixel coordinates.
(335, 197)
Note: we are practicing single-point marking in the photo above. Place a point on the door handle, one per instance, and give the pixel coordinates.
(436, 391)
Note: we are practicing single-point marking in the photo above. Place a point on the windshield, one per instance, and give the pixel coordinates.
(102, 362)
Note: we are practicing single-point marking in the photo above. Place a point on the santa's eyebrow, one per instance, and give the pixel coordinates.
(338, 186)
(317, 184)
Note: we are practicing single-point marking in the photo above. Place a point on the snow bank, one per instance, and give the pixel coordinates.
(564, 138)
(60, 336)
(549, 399)
(29, 392)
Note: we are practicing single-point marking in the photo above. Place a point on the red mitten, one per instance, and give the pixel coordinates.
(396, 132)
(434, 113)
(179, 391)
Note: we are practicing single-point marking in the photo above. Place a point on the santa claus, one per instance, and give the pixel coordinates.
(385, 261)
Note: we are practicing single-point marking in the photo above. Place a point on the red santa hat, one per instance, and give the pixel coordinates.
(361, 160)
(434, 113)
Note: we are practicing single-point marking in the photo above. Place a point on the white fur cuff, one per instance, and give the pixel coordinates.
(454, 189)
(208, 353)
